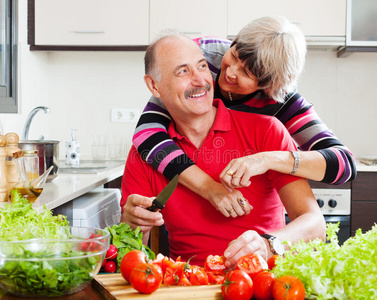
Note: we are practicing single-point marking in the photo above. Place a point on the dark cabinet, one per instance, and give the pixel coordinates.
(364, 201)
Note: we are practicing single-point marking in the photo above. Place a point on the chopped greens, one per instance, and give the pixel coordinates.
(332, 272)
(39, 269)
(126, 239)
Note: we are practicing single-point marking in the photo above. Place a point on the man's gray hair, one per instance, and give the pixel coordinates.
(274, 50)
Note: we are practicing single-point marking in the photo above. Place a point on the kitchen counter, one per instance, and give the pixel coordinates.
(67, 187)
(361, 167)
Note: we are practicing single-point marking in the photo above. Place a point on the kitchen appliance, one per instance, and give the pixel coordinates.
(335, 204)
(98, 208)
(48, 153)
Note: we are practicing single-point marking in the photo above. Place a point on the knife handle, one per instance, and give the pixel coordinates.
(155, 206)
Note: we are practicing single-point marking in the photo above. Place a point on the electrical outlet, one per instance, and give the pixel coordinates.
(123, 115)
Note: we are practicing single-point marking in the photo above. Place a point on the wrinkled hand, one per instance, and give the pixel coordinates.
(248, 242)
(135, 213)
(228, 202)
(243, 169)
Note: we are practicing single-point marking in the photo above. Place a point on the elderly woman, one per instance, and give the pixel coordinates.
(255, 73)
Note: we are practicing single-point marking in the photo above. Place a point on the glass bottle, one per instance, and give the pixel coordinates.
(31, 161)
(23, 186)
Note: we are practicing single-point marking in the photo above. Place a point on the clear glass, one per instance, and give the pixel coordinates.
(31, 161)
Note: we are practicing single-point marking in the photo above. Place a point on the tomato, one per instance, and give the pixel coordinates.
(288, 288)
(169, 276)
(129, 261)
(263, 284)
(146, 278)
(216, 278)
(237, 286)
(215, 263)
(198, 276)
(252, 264)
(271, 262)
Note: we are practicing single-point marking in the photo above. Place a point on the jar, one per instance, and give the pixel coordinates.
(31, 162)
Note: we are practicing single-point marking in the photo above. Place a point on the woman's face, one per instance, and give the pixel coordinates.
(235, 78)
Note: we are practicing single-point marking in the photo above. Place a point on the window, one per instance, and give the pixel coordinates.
(8, 56)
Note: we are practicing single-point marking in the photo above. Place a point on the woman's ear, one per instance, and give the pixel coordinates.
(152, 85)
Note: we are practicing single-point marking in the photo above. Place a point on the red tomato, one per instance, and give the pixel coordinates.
(288, 288)
(263, 284)
(198, 276)
(237, 286)
(216, 278)
(252, 264)
(271, 262)
(215, 263)
(169, 276)
(130, 261)
(146, 278)
(104, 263)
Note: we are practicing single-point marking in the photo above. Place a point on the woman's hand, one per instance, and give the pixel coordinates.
(229, 202)
(239, 171)
(248, 242)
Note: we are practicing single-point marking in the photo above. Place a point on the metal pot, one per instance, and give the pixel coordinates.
(48, 153)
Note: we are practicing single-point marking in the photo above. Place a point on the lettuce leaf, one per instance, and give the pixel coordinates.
(126, 239)
(332, 272)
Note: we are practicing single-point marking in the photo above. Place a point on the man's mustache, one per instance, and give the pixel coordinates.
(198, 90)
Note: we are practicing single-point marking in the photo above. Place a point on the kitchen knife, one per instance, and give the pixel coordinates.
(163, 197)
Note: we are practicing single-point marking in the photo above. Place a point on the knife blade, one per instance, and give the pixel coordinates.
(164, 195)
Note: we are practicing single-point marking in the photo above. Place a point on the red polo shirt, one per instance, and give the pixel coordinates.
(195, 227)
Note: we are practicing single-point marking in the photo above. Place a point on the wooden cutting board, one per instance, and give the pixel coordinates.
(113, 286)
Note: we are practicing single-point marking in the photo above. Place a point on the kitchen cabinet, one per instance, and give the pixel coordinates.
(320, 18)
(364, 201)
(193, 18)
(88, 23)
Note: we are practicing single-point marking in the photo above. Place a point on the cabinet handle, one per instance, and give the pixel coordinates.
(89, 31)
(190, 32)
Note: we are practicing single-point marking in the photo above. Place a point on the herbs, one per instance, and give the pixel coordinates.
(332, 272)
(126, 239)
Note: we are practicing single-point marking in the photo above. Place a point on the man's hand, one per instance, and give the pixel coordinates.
(135, 213)
(228, 202)
(248, 242)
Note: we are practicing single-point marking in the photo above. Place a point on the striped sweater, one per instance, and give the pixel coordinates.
(297, 115)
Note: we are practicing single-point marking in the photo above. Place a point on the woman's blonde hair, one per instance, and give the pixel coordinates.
(273, 49)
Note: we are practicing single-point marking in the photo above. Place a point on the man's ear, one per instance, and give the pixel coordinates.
(152, 85)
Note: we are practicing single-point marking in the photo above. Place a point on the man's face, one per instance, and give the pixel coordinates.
(186, 83)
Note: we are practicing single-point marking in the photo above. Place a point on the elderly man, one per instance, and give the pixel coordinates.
(177, 73)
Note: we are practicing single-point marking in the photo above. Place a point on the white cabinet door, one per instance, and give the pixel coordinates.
(91, 22)
(194, 18)
(314, 17)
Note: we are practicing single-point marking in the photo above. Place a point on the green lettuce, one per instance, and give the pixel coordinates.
(126, 239)
(329, 271)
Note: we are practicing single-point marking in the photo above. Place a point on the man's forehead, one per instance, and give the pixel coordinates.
(179, 51)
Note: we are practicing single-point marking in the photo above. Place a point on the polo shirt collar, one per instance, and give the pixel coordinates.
(222, 120)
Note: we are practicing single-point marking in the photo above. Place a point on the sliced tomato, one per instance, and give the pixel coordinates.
(169, 277)
(252, 264)
(198, 276)
(216, 278)
(272, 261)
(183, 280)
(215, 263)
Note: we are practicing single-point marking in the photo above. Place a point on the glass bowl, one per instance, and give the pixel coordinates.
(50, 261)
